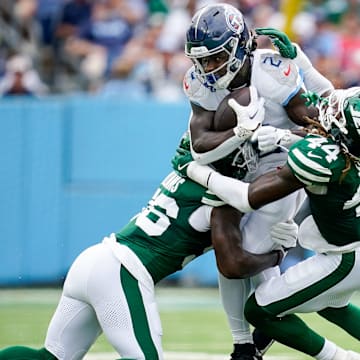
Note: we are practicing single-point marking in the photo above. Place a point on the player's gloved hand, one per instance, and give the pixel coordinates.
(248, 117)
(181, 161)
(286, 48)
(311, 98)
(285, 234)
(269, 138)
(280, 40)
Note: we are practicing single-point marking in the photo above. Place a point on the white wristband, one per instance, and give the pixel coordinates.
(242, 133)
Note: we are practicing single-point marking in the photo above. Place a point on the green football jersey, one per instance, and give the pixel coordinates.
(334, 195)
(161, 234)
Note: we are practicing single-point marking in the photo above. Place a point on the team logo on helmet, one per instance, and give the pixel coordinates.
(235, 21)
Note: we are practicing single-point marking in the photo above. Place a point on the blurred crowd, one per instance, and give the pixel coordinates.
(134, 48)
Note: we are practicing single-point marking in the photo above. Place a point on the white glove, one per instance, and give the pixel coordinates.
(269, 138)
(285, 234)
(248, 117)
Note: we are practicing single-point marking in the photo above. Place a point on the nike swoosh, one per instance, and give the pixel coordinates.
(183, 166)
(310, 154)
(287, 71)
(253, 115)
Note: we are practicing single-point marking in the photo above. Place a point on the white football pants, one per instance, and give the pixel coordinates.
(255, 228)
(100, 295)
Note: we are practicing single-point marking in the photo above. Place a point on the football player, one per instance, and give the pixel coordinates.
(110, 286)
(225, 58)
(326, 164)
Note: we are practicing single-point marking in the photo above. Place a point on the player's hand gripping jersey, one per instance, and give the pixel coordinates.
(333, 190)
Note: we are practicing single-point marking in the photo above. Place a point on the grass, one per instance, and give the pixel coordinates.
(192, 320)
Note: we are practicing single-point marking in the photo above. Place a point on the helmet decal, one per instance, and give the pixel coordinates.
(235, 21)
(218, 29)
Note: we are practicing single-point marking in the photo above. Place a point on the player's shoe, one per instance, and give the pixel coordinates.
(246, 351)
(342, 354)
(262, 342)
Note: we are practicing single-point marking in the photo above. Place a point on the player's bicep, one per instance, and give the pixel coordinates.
(298, 111)
(201, 123)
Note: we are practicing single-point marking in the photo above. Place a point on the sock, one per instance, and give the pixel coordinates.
(327, 352)
(234, 293)
(25, 353)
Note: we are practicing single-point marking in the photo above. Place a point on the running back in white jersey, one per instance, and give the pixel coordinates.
(276, 79)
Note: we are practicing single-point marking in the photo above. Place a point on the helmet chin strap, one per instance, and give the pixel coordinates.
(245, 80)
(225, 80)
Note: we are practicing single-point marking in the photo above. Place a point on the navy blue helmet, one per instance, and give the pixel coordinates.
(218, 29)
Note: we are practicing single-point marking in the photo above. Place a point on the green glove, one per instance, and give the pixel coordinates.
(280, 40)
(181, 160)
(312, 98)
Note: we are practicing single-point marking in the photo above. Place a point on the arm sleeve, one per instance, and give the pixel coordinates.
(233, 192)
(313, 80)
(316, 82)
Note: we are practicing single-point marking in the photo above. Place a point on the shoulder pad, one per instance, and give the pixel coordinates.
(313, 159)
(277, 78)
(203, 95)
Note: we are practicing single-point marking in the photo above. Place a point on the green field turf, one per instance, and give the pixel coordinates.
(192, 320)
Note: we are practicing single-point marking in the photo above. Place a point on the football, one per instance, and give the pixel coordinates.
(225, 117)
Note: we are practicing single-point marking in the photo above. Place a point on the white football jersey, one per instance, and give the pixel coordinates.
(276, 79)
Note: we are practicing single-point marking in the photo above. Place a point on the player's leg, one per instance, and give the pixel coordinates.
(255, 228)
(234, 293)
(125, 305)
(347, 318)
(25, 353)
(74, 326)
(309, 286)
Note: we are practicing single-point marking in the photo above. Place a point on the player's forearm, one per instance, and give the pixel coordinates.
(233, 192)
(247, 265)
(214, 146)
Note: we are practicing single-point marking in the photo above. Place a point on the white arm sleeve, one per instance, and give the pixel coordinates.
(233, 192)
(225, 148)
(316, 82)
(313, 80)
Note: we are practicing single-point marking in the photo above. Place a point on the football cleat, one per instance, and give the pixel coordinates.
(245, 352)
(262, 342)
